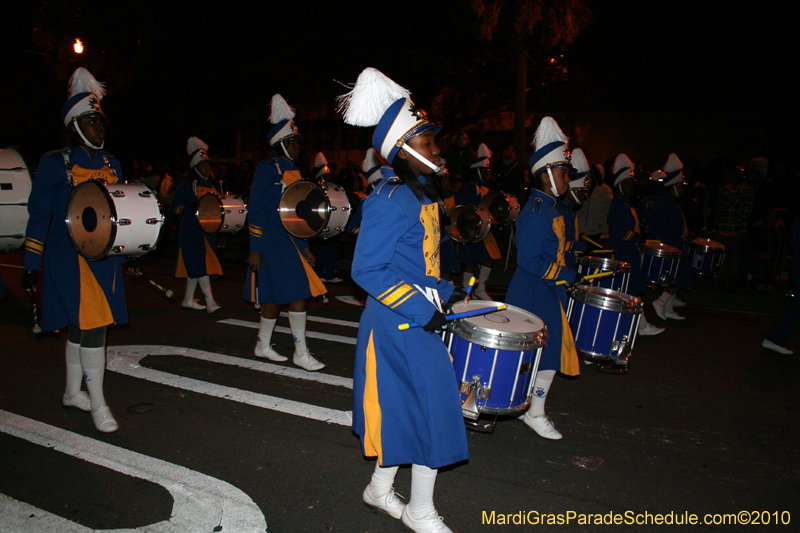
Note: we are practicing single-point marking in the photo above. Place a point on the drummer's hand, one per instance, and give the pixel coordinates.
(134, 267)
(436, 323)
(254, 261)
(458, 295)
(312, 261)
(29, 279)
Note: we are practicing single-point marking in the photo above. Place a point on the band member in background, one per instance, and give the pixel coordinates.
(406, 405)
(281, 266)
(625, 233)
(197, 250)
(667, 224)
(481, 253)
(541, 244)
(371, 166)
(568, 204)
(85, 296)
(325, 266)
(593, 213)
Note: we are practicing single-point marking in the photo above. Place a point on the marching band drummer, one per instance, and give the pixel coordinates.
(667, 224)
(568, 204)
(84, 295)
(406, 404)
(281, 265)
(625, 233)
(481, 253)
(197, 250)
(541, 244)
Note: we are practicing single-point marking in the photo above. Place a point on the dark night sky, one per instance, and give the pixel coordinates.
(167, 66)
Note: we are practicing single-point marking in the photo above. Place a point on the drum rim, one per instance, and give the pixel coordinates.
(331, 233)
(487, 222)
(630, 305)
(497, 339)
(297, 184)
(620, 266)
(659, 251)
(708, 245)
(222, 211)
(112, 237)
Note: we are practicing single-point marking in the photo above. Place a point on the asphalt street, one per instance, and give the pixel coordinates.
(211, 438)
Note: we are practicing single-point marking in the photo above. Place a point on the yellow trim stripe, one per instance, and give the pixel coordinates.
(396, 295)
(404, 299)
(179, 210)
(389, 290)
(372, 407)
(32, 240)
(628, 236)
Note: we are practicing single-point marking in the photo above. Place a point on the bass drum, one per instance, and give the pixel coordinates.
(113, 219)
(15, 188)
(308, 210)
(234, 213)
(210, 213)
(502, 208)
(467, 224)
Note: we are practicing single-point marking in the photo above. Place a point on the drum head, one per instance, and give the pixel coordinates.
(304, 209)
(498, 208)
(90, 220)
(606, 299)
(659, 249)
(707, 245)
(210, 213)
(510, 329)
(604, 264)
(467, 224)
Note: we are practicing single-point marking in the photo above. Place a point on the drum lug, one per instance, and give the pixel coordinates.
(152, 221)
(144, 247)
(474, 392)
(620, 351)
(118, 194)
(333, 208)
(146, 194)
(345, 209)
(124, 222)
(118, 249)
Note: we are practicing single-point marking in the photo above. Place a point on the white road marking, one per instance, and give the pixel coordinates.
(281, 329)
(352, 300)
(200, 502)
(125, 360)
(257, 365)
(323, 320)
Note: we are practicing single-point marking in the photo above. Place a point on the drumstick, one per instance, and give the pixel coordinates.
(470, 284)
(590, 241)
(602, 251)
(167, 292)
(456, 316)
(586, 278)
(37, 329)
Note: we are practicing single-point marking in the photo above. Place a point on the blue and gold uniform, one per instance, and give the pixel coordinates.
(573, 245)
(197, 250)
(624, 234)
(284, 276)
(401, 410)
(541, 262)
(76, 291)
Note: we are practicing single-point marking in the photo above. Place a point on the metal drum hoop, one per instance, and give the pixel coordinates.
(112, 216)
(606, 299)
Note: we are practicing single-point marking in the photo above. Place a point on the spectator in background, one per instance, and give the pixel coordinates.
(734, 206)
(593, 214)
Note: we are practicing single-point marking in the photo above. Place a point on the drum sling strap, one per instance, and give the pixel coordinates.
(68, 166)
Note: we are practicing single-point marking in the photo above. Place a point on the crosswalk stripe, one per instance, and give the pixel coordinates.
(325, 320)
(280, 329)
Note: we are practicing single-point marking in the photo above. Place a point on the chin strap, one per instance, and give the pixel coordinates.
(421, 159)
(78, 129)
(285, 151)
(553, 187)
(571, 192)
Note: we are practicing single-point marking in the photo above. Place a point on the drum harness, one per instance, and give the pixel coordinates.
(68, 166)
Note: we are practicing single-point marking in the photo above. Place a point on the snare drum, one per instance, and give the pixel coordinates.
(210, 213)
(468, 224)
(495, 357)
(15, 188)
(589, 264)
(113, 219)
(603, 322)
(234, 213)
(502, 208)
(308, 210)
(659, 263)
(707, 256)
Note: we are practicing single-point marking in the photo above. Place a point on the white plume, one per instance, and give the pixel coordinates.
(579, 160)
(622, 161)
(281, 110)
(82, 81)
(370, 161)
(673, 163)
(371, 96)
(320, 160)
(548, 132)
(483, 151)
(194, 144)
